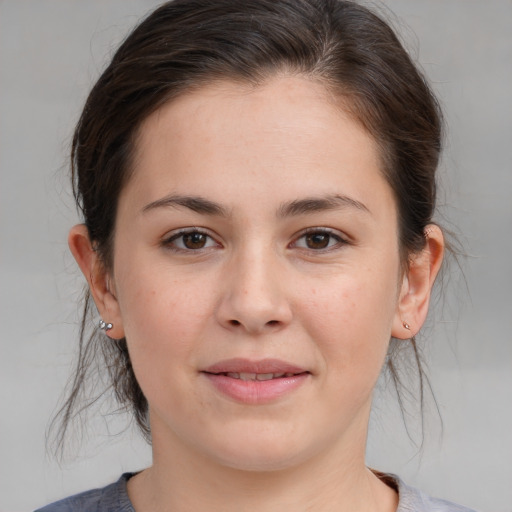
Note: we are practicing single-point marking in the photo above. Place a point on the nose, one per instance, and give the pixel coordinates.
(254, 298)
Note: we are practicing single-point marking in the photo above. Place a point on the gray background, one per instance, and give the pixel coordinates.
(50, 53)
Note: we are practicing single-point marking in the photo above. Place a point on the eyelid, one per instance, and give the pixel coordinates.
(340, 236)
(177, 233)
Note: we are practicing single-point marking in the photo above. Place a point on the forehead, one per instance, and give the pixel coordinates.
(289, 133)
(280, 103)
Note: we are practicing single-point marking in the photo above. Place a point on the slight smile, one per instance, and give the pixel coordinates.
(255, 382)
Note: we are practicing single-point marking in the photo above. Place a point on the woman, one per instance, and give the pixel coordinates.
(257, 181)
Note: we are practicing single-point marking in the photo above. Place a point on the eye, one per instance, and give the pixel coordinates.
(319, 239)
(190, 240)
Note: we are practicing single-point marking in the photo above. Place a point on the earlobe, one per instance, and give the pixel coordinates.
(99, 280)
(417, 285)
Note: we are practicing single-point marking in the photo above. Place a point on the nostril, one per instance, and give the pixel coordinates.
(234, 322)
(272, 322)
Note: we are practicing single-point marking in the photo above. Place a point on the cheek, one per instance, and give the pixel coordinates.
(163, 323)
(351, 321)
(162, 315)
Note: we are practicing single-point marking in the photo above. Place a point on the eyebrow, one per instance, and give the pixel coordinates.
(318, 204)
(304, 206)
(195, 203)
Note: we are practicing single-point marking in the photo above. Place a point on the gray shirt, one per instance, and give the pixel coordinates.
(114, 498)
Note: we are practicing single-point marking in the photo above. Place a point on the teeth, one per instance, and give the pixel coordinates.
(257, 376)
(247, 376)
(265, 376)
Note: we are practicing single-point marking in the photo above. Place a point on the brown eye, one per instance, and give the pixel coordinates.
(318, 240)
(321, 239)
(190, 241)
(194, 240)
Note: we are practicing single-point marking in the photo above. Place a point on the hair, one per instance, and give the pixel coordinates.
(185, 44)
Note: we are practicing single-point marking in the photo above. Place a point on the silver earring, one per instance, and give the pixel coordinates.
(104, 326)
(406, 325)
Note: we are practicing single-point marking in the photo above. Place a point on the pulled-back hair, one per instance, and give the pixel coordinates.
(185, 44)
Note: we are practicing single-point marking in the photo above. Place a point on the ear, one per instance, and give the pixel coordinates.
(417, 285)
(100, 282)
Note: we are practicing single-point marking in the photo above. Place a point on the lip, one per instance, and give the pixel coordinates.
(240, 365)
(254, 392)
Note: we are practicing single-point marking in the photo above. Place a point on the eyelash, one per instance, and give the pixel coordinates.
(340, 241)
(170, 241)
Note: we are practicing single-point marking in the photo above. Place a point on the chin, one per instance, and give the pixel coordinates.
(260, 453)
(260, 463)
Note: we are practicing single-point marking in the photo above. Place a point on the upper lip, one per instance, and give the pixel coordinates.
(240, 365)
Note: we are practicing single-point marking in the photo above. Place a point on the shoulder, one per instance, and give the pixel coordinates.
(414, 500)
(112, 498)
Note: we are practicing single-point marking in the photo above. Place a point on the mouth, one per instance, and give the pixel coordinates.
(246, 369)
(256, 376)
(255, 382)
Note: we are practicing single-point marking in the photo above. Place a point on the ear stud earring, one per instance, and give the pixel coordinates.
(104, 326)
(406, 325)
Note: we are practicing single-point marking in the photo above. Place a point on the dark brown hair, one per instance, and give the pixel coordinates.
(188, 43)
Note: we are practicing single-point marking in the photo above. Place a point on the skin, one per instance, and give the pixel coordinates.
(258, 288)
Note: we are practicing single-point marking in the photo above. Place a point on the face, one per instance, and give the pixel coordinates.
(256, 274)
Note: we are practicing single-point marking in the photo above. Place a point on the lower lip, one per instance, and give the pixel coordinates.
(256, 392)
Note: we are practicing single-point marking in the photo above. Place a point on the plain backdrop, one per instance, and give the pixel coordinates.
(51, 51)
